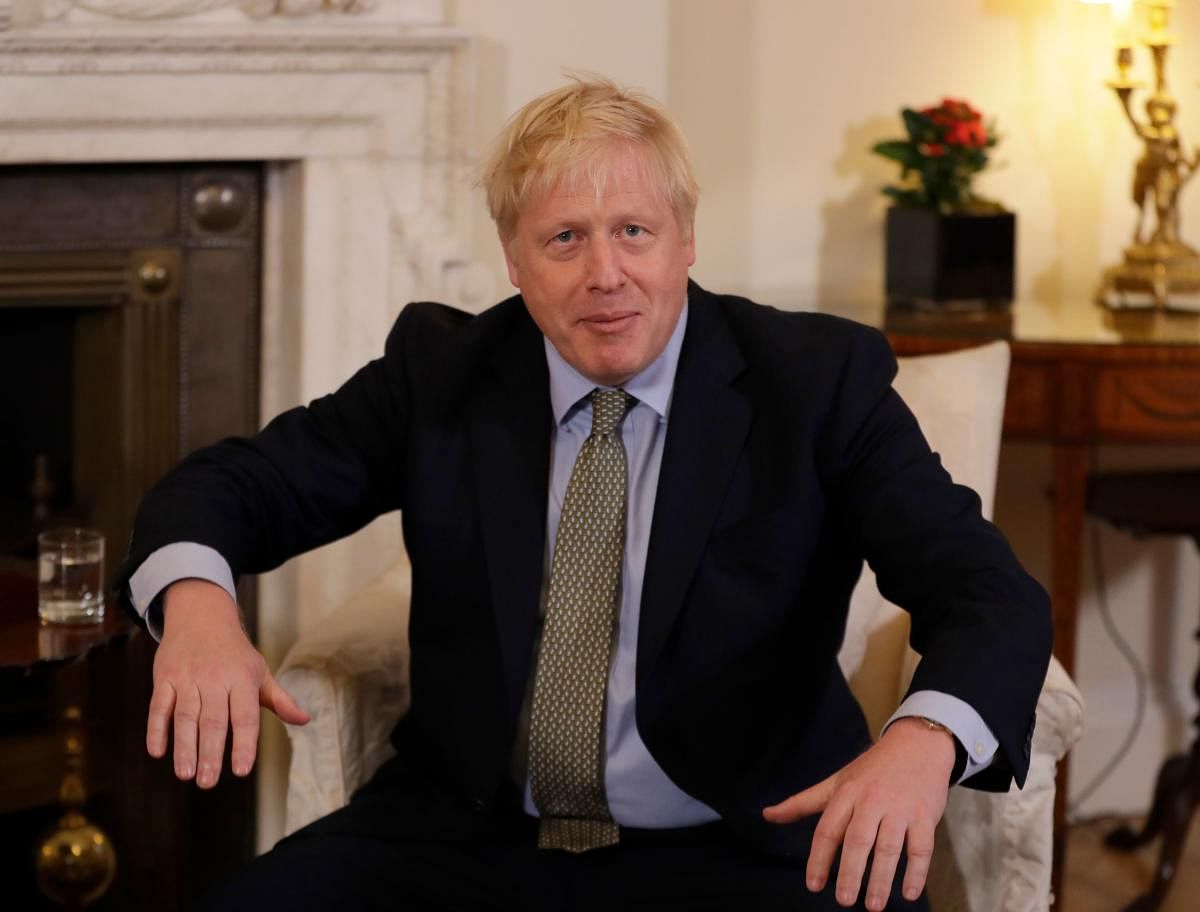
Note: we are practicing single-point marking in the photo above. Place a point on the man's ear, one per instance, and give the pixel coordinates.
(507, 245)
(690, 244)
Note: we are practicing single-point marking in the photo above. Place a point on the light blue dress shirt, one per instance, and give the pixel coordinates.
(640, 793)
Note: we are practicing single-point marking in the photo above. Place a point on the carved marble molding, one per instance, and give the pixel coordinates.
(31, 13)
(233, 52)
(179, 9)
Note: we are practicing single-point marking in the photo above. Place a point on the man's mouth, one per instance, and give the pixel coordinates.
(606, 323)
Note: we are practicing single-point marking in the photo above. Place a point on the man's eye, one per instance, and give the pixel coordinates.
(564, 237)
(632, 230)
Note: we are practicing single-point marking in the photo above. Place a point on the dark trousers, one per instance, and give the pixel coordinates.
(365, 857)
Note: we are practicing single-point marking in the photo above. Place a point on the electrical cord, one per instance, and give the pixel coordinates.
(1135, 665)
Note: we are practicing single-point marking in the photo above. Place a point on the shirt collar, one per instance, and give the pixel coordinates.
(652, 385)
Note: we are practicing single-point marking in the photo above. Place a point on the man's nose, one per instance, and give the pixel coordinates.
(606, 271)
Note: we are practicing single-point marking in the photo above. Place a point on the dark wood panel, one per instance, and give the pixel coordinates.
(71, 207)
(1140, 403)
(1029, 408)
(221, 354)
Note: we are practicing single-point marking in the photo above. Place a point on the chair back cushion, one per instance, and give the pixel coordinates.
(958, 399)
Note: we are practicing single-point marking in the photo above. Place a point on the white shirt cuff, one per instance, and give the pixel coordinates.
(964, 723)
(170, 564)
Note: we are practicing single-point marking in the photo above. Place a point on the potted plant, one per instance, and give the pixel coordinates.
(945, 244)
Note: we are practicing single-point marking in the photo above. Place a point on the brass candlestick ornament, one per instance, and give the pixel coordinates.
(75, 861)
(1160, 270)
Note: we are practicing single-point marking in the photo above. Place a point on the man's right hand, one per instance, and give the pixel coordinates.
(208, 677)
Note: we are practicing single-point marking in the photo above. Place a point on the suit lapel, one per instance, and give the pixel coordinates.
(510, 441)
(706, 430)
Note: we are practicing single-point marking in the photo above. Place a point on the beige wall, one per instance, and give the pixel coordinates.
(781, 100)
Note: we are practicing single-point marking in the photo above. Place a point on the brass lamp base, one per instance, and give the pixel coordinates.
(1159, 276)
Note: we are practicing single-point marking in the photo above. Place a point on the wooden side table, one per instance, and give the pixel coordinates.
(76, 862)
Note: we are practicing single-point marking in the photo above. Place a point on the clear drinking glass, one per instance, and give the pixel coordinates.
(71, 576)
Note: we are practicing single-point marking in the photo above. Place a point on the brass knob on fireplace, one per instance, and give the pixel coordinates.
(219, 206)
(154, 277)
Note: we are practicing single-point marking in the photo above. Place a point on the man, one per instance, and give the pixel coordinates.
(635, 512)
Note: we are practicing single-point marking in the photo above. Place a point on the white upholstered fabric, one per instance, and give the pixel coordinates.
(994, 851)
(351, 674)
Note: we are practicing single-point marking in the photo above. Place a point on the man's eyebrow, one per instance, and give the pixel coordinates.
(642, 217)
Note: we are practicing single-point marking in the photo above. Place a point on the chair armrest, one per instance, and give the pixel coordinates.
(995, 851)
(1060, 713)
(351, 675)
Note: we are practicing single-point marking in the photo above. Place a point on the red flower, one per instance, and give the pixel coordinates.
(946, 146)
(967, 133)
(959, 110)
(940, 116)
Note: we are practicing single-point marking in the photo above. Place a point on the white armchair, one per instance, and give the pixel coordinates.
(994, 851)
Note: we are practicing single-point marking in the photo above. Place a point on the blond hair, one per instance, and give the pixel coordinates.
(565, 135)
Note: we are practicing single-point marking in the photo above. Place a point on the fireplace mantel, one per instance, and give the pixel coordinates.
(361, 108)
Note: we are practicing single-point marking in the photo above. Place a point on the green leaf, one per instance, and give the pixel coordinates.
(898, 150)
(918, 125)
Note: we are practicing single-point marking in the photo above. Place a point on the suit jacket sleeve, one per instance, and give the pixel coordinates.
(313, 474)
(981, 624)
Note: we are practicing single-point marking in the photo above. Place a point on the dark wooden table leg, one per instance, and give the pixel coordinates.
(1070, 488)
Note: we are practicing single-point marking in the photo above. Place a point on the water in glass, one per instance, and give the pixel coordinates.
(71, 577)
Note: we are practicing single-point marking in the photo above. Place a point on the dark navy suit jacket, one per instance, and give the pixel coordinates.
(788, 460)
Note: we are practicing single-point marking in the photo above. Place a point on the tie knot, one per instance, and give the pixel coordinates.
(608, 408)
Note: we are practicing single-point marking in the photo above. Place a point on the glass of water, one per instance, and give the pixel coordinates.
(71, 576)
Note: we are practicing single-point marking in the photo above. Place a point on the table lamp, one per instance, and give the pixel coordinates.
(1159, 270)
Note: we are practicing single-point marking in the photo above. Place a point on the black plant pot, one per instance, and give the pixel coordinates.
(948, 260)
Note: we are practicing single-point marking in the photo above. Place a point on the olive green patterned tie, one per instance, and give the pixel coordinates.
(566, 734)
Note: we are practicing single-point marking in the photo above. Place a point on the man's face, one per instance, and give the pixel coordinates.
(604, 278)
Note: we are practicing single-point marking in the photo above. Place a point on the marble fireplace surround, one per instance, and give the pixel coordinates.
(361, 110)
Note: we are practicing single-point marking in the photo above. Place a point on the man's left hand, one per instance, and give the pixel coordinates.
(890, 798)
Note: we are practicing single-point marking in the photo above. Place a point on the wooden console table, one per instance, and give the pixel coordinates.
(74, 865)
(1081, 375)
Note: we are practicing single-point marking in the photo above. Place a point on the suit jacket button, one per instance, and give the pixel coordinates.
(478, 805)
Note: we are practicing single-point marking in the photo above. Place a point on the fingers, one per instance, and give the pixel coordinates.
(162, 703)
(209, 676)
(890, 796)
(214, 722)
(280, 702)
(811, 801)
(203, 716)
(860, 839)
(867, 838)
(888, 845)
(243, 716)
(920, 852)
(187, 717)
(827, 839)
